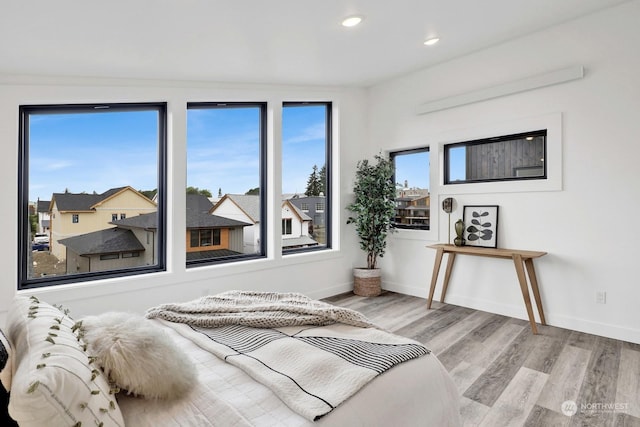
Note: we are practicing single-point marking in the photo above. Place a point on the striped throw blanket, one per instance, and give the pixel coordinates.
(312, 368)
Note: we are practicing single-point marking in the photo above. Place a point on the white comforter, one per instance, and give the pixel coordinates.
(415, 393)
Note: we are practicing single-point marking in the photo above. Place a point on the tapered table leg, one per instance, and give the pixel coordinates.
(447, 274)
(434, 276)
(534, 287)
(522, 278)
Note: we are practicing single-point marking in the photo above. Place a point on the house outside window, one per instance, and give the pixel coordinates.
(202, 238)
(62, 132)
(286, 226)
(413, 201)
(306, 174)
(226, 179)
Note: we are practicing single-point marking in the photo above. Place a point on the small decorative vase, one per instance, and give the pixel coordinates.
(459, 227)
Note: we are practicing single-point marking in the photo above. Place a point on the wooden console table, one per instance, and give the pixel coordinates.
(521, 259)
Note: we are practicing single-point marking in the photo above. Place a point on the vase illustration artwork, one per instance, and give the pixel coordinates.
(479, 229)
(459, 227)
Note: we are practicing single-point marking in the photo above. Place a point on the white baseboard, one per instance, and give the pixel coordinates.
(518, 311)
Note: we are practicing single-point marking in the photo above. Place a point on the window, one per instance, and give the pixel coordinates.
(124, 140)
(130, 254)
(413, 201)
(226, 181)
(123, 216)
(510, 157)
(203, 238)
(306, 171)
(286, 226)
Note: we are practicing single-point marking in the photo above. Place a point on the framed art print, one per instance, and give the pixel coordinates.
(481, 226)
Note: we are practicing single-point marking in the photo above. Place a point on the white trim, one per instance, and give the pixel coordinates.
(509, 88)
(551, 122)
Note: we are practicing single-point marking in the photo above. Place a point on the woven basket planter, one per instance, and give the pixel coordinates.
(367, 282)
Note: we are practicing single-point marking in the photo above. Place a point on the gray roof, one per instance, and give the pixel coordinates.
(103, 241)
(81, 201)
(250, 204)
(207, 255)
(205, 220)
(43, 205)
(147, 221)
(195, 219)
(199, 203)
(302, 215)
(298, 241)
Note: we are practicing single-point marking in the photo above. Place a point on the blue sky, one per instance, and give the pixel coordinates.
(91, 152)
(414, 168)
(96, 152)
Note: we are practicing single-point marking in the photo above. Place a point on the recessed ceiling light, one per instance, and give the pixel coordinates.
(352, 21)
(431, 41)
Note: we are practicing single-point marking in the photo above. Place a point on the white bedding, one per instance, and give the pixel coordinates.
(415, 393)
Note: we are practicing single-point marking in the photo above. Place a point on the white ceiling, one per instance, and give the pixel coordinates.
(261, 41)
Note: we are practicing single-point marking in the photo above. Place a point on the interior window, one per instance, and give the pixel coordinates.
(69, 155)
(226, 167)
(413, 200)
(306, 183)
(509, 157)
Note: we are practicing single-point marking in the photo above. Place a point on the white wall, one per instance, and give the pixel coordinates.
(316, 274)
(588, 224)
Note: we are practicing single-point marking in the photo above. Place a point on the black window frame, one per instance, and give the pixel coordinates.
(392, 157)
(262, 176)
(521, 135)
(328, 221)
(24, 114)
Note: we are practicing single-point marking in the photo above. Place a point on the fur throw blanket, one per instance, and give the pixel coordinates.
(257, 310)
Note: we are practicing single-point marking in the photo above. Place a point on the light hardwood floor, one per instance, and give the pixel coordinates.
(509, 377)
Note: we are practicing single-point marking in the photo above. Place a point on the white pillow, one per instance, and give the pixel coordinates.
(55, 382)
(5, 361)
(138, 355)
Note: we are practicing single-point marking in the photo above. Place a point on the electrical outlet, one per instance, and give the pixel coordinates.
(601, 297)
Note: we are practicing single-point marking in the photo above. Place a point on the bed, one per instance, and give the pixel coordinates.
(285, 374)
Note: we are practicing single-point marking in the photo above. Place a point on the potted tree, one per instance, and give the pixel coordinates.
(372, 213)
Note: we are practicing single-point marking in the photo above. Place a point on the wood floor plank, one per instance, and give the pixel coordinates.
(500, 373)
(628, 383)
(491, 348)
(599, 384)
(451, 335)
(498, 365)
(544, 354)
(543, 417)
(464, 375)
(625, 420)
(472, 412)
(516, 401)
(565, 379)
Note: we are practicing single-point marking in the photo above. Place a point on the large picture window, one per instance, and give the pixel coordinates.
(78, 165)
(306, 176)
(226, 170)
(413, 200)
(503, 158)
